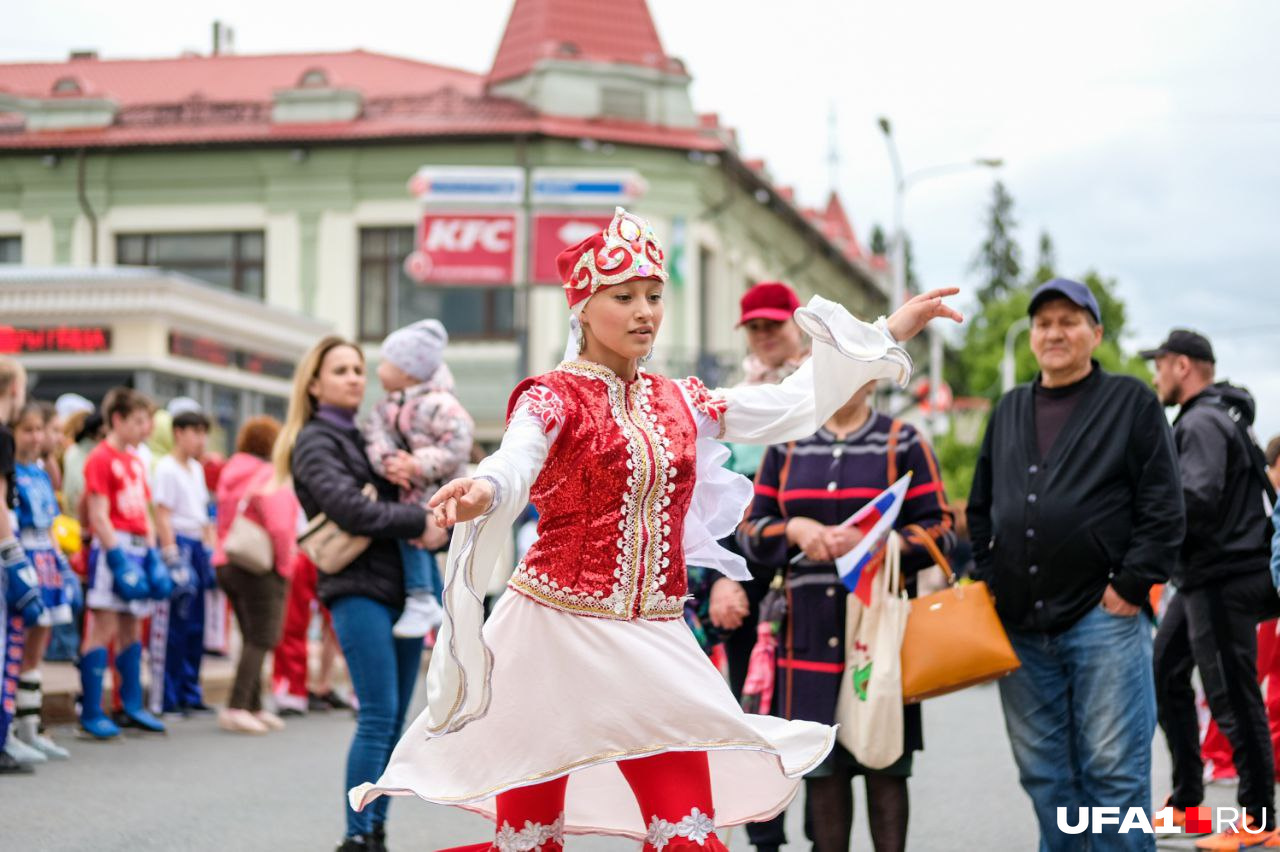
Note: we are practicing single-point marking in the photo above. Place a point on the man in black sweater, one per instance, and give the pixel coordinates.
(1075, 512)
(1223, 582)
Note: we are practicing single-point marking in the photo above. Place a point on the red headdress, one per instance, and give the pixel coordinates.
(626, 250)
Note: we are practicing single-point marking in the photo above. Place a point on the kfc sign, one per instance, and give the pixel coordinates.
(553, 233)
(464, 248)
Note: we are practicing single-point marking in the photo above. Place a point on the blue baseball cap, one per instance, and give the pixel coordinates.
(1065, 288)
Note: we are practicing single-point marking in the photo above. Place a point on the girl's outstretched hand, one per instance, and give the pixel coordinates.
(910, 319)
(461, 500)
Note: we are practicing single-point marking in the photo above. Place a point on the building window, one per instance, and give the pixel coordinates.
(277, 407)
(626, 104)
(10, 249)
(390, 299)
(228, 260)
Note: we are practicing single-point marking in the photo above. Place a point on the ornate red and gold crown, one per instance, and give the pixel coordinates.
(625, 250)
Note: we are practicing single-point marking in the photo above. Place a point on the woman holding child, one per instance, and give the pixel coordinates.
(322, 448)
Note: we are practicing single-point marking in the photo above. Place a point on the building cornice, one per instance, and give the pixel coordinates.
(92, 296)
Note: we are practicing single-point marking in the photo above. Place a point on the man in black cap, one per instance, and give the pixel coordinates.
(1075, 511)
(1223, 583)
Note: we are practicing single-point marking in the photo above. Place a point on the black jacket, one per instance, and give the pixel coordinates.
(1105, 505)
(329, 469)
(1227, 526)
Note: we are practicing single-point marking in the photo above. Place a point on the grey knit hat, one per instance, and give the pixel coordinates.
(417, 349)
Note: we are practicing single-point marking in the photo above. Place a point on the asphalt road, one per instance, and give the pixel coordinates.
(201, 789)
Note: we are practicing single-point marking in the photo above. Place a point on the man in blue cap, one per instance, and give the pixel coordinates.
(1075, 512)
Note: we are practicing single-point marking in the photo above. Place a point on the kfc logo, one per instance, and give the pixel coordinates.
(464, 248)
(463, 235)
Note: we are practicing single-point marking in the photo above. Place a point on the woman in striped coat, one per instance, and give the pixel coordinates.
(803, 492)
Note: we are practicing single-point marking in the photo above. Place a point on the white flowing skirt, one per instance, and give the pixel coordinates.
(574, 695)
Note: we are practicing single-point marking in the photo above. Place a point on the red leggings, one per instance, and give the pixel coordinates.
(673, 790)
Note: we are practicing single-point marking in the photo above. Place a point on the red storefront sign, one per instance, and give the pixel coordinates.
(70, 339)
(464, 248)
(201, 349)
(222, 355)
(553, 233)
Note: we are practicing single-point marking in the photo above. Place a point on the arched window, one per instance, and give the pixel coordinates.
(313, 78)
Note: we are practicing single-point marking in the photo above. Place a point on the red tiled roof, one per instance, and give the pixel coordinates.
(617, 31)
(228, 100)
(229, 78)
(836, 226)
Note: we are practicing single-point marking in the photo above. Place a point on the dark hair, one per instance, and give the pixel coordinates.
(1273, 451)
(258, 436)
(34, 407)
(91, 427)
(190, 420)
(123, 401)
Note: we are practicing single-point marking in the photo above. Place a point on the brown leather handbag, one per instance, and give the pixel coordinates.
(329, 546)
(954, 639)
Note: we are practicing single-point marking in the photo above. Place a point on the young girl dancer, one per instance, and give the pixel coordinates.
(585, 706)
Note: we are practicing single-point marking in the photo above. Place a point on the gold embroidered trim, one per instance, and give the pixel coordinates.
(645, 525)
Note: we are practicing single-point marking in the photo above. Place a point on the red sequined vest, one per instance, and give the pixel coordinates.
(612, 496)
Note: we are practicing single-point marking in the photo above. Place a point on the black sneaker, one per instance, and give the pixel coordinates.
(378, 839)
(9, 766)
(316, 703)
(199, 708)
(356, 843)
(334, 700)
(290, 712)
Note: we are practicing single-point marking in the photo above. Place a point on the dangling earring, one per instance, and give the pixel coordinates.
(647, 357)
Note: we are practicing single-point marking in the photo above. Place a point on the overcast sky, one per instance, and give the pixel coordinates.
(1144, 136)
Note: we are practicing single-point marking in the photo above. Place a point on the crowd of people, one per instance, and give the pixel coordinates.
(1123, 553)
(115, 554)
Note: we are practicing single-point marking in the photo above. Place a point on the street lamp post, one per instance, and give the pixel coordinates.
(1008, 364)
(901, 183)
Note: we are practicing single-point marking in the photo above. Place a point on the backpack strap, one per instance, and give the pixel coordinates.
(1256, 457)
(786, 468)
(895, 428)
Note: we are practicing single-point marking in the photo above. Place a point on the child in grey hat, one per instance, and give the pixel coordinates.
(418, 436)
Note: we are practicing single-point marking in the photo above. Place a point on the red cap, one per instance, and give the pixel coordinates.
(771, 300)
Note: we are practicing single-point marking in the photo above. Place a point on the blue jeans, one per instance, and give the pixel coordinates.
(383, 671)
(1081, 714)
(420, 571)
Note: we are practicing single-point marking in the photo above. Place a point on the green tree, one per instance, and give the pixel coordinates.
(880, 246)
(999, 259)
(879, 243)
(1046, 260)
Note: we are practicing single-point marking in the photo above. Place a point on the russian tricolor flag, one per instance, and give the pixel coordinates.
(875, 521)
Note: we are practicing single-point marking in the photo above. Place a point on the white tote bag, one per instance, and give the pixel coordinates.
(869, 708)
